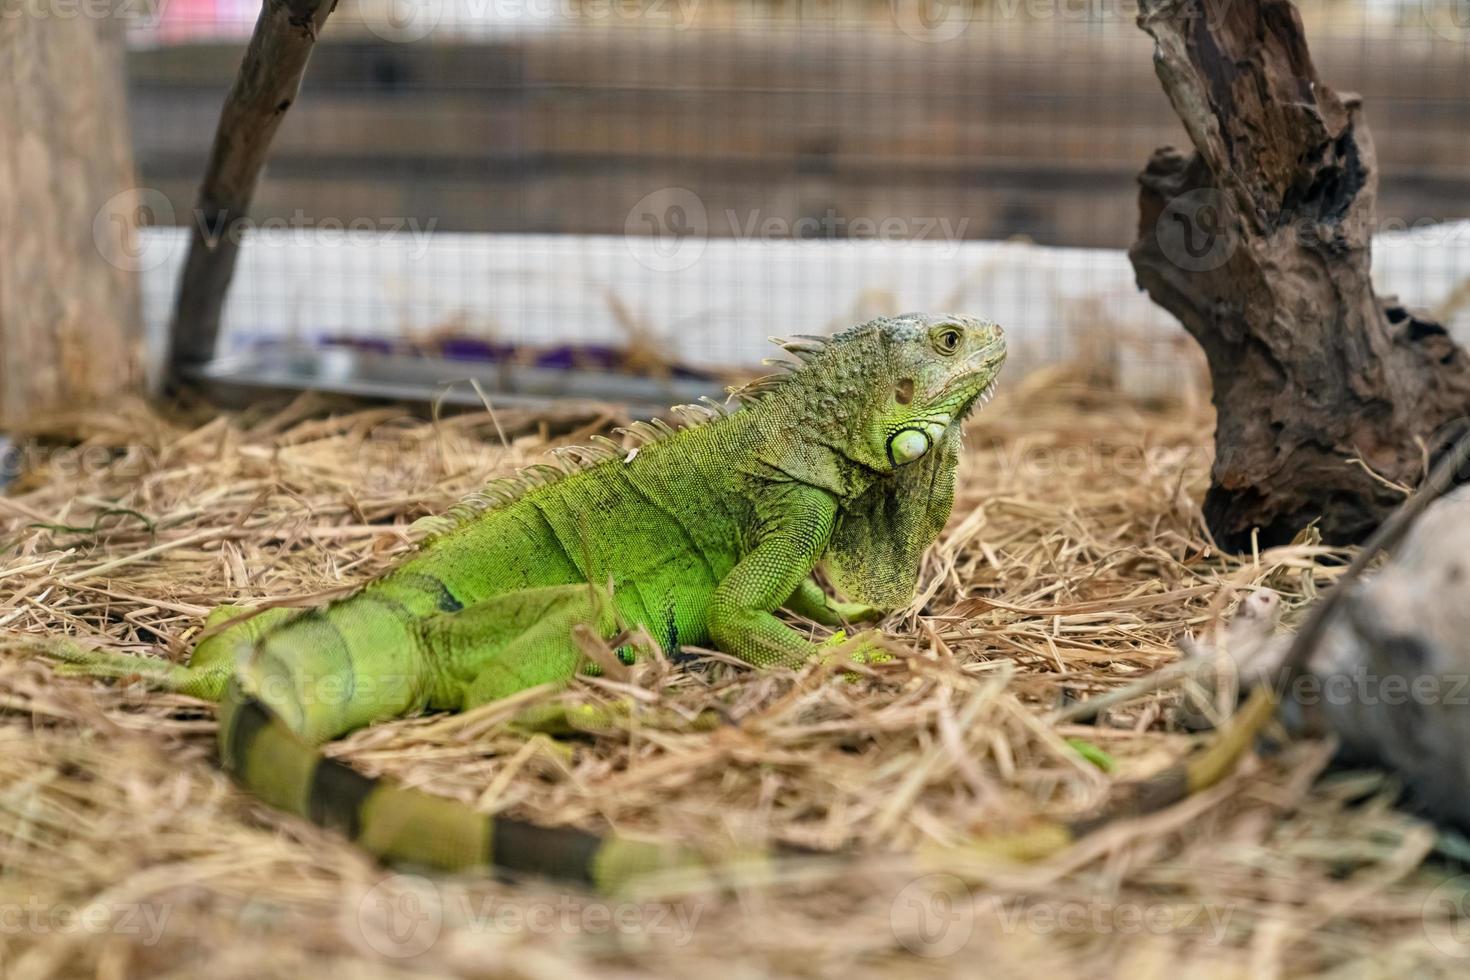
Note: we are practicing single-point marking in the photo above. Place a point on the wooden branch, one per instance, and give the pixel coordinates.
(267, 84)
(1259, 242)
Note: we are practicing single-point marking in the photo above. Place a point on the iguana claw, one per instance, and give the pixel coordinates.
(868, 647)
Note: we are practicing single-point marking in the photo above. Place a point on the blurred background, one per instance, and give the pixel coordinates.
(650, 188)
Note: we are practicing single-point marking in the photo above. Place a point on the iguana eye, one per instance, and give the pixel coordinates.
(947, 341)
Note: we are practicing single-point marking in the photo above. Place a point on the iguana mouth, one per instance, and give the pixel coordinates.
(979, 401)
(990, 359)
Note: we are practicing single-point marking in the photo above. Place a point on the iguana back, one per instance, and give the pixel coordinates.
(617, 533)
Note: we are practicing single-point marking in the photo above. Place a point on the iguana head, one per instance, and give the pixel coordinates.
(890, 395)
(918, 376)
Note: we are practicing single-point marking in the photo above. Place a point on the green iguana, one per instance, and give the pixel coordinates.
(845, 461)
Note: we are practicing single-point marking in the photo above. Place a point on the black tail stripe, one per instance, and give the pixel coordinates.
(554, 852)
(336, 797)
(1148, 796)
(250, 719)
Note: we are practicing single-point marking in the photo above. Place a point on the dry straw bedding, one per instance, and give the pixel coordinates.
(1076, 558)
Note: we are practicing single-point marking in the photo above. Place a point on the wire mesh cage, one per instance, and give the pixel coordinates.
(624, 198)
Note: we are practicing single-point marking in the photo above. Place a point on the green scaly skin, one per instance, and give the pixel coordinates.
(845, 462)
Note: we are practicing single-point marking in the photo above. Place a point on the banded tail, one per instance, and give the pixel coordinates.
(407, 826)
(401, 825)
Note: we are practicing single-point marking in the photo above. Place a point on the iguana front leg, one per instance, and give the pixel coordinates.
(794, 535)
(812, 601)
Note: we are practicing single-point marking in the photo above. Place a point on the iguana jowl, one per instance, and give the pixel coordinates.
(846, 461)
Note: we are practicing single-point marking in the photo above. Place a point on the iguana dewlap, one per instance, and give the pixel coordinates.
(846, 461)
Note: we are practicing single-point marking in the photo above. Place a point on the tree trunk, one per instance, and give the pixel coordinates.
(69, 324)
(1259, 243)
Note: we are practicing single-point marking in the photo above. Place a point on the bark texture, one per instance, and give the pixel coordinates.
(266, 85)
(1259, 243)
(69, 329)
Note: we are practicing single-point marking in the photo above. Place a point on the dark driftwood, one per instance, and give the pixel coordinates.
(1259, 243)
(267, 83)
